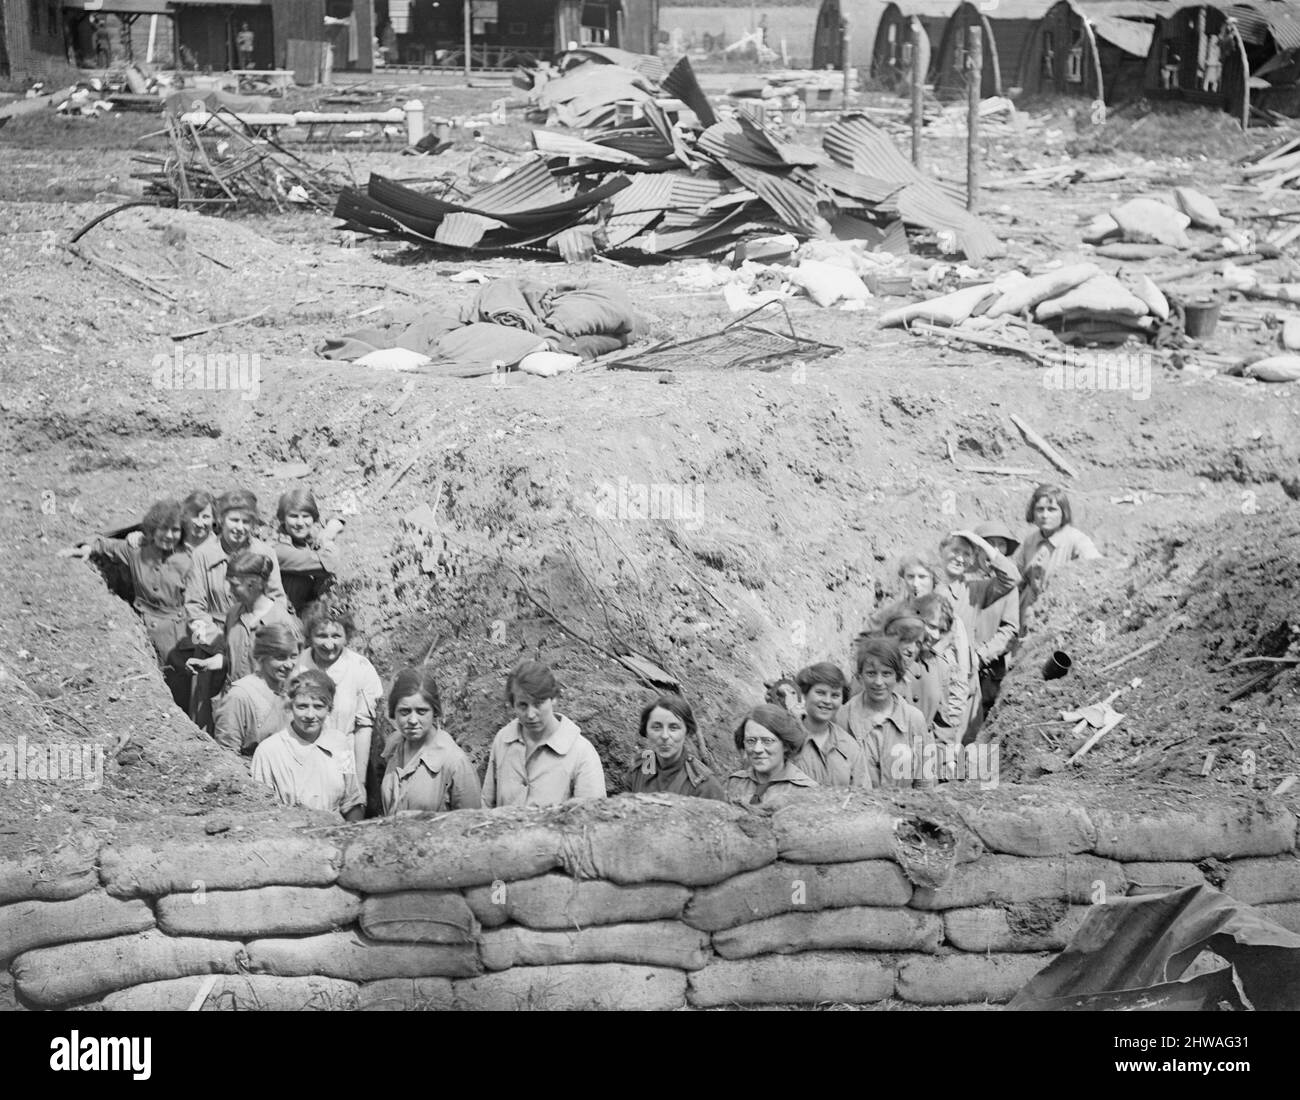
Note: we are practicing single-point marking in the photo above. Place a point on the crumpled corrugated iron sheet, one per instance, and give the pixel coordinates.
(586, 94)
(652, 68)
(681, 82)
(743, 140)
(685, 192)
(859, 144)
(1130, 953)
(557, 144)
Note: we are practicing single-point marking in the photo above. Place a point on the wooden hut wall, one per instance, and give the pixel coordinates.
(33, 43)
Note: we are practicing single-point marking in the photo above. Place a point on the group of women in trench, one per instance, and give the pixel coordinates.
(257, 648)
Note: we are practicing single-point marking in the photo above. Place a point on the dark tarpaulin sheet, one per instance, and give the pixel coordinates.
(1130, 953)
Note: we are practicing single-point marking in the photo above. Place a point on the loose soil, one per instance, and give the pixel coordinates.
(809, 483)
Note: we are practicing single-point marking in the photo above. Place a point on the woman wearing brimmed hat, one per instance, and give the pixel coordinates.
(769, 736)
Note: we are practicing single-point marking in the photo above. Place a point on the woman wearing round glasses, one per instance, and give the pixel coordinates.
(769, 736)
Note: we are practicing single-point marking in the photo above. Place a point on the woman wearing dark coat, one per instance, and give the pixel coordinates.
(667, 726)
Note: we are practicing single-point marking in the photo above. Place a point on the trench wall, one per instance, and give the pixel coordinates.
(636, 902)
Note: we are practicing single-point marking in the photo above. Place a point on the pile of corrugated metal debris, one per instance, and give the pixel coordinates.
(660, 175)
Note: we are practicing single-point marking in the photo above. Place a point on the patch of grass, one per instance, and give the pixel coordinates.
(48, 130)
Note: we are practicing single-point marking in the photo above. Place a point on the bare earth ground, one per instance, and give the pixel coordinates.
(809, 486)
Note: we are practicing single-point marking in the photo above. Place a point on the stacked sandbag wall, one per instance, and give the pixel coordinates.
(635, 902)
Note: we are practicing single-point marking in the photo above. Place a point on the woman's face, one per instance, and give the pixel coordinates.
(919, 580)
(413, 716)
(821, 702)
(933, 620)
(958, 559)
(536, 716)
(166, 537)
(327, 642)
(236, 529)
(308, 715)
(299, 524)
(909, 650)
(764, 752)
(666, 734)
(275, 670)
(878, 681)
(245, 590)
(1047, 515)
(198, 528)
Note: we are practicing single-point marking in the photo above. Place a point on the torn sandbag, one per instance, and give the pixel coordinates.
(1130, 952)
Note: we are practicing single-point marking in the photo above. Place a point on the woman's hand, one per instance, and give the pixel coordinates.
(82, 551)
(205, 664)
(135, 538)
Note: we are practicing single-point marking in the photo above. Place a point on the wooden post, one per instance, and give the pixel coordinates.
(846, 38)
(469, 21)
(974, 75)
(919, 59)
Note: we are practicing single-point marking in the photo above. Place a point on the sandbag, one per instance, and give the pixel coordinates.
(1100, 294)
(859, 929)
(846, 826)
(948, 309)
(646, 943)
(796, 888)
(1027, 926)
(66, 873)
(270, 911)
(827, 284)
(28, 924)
(1102, 227)
(578, 987)
(1275, 368)
(1264, 880)
(51, 976)
(448, 851)
(1291, 334)
(354, 957)
(394, 359)
(832, 826)
(1219, 831)
(238, 993)
(406, 995)
(560, 901)
(813, 977)
(1039, 288)
(1001, 879)
(1132, 250)
(1144, 287)
(419, 916)
(663, 838)
(219, 863)
(1040, 825)
(1145, 877)
(965, 979)
(1200, 209)
(1149, 220)
(547, 364)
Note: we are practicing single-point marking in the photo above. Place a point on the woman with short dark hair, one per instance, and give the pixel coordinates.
(667, 726)
(426, 770)
(540, 758)
(770, 737)
(255, 707)
(158, 567)
(294, 764)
